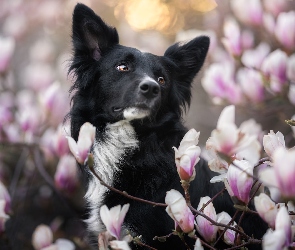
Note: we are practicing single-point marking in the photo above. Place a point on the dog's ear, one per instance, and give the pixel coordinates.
(91, 35)
(187, 59)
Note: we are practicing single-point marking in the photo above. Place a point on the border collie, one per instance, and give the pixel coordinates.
(135, 101)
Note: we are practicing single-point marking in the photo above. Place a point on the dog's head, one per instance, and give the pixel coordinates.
(114, 82)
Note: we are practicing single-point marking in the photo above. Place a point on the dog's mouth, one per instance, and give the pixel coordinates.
(137, 111)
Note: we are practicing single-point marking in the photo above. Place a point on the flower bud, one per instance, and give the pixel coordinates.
(239, 181)
(179, 211)
(229, 235)
(272, 141)
(266, 209)
(203, 226)
(81, 148)
(286, 21)
(187, 155)
(3, 216)
(113, 219)
(4, 195)
(66, 175)
(42, 237)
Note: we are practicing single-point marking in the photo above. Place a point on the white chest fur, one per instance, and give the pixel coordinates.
(119, 138)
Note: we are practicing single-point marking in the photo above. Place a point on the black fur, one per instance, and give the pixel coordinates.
(101, 91)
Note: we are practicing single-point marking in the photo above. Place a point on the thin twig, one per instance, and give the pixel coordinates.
(17, 171)
(124, 193)
(250, 241)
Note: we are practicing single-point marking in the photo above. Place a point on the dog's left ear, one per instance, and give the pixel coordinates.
(91, 35)
(189, 57)
(187, 60)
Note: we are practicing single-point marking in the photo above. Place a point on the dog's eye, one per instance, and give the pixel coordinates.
(122, 67)
(161, 80)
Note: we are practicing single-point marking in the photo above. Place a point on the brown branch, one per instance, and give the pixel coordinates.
(124, 193)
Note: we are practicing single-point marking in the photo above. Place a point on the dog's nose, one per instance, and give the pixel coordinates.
(149, 89)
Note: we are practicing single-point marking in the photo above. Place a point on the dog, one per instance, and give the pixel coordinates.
(136, 100)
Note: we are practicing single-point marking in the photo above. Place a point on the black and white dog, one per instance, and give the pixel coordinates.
(135, 101)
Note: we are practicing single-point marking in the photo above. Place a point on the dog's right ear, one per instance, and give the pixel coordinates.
(91, 35)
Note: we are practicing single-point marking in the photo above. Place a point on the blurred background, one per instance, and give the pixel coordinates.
(251, 63)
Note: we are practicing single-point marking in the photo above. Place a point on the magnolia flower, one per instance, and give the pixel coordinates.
(269, 22)
(252, 84)
(187, 155)
(119, 245)
(229, 235)
(286, 21)
(254, 58)
(81, 148)
(291, 94)
(274, 66)
(282, 235)
(205, 228)
(291, 68)
(66, 175)
(113, 219)
(266, 209)
(239, 181)
(275, 6)
(3, 216)
(218, 81)
(48, 97)
(272, 141)
(248, 11)
(4, 195)
(198, 245)
(60, 142)
(42, 237)
(232, 40)
(281, 175)
(227, 137)
(178, 210)
(7, 46)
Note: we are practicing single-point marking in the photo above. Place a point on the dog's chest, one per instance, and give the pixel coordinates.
(109, 152)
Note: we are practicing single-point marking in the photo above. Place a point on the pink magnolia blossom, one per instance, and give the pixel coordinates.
(286, 21)
(227, 137)
(253, 58)
(275, 6)
(187, 155)
(66, 175)
(38, 76)
(3, 216)
(42, 237)
(218, 81)
(205, 228)
(81, 148)
(274, 66)
(198, 245)
(291, 93)
(272, 141)
(269, 22)
(239, 181)
(7, 45)
(113, 219)
(119, 245)
(282, 235)
(281, 175)
(29, 118)
(252, 84)
(229, 235)
(4, 195)
(266, 209)
(178, 210)
(291, 68)
(232, 40)
(60, 142)
(248, 11)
